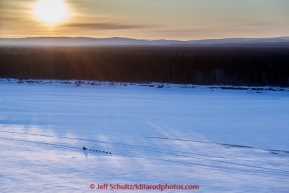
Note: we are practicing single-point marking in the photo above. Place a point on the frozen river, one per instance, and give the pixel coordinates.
(220, 140)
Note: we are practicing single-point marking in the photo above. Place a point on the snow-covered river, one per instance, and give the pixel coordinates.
(220, 140)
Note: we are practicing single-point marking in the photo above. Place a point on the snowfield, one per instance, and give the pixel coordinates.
(219, 139)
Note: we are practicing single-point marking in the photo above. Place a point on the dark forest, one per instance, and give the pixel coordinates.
(184, 65)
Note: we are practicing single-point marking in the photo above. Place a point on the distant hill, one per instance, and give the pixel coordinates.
(116, 41)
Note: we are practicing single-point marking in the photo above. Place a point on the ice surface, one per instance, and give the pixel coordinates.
(155, 136)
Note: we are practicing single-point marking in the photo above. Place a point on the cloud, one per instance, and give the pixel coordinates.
(10, 18)
(261, 24)
(107, 26)
(15, 5)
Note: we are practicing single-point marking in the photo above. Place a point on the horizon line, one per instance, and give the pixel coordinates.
(115, 37)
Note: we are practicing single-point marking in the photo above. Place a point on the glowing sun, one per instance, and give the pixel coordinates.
(51, 11)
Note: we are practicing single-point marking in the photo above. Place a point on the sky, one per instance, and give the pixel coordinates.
(145, 19)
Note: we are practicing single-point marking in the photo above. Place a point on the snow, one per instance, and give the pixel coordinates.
(168, 135)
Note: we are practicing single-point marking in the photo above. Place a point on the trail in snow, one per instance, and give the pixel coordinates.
(231, 145)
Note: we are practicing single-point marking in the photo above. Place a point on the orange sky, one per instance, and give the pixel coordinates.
(145, 19)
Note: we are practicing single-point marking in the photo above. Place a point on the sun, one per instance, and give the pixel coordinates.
(51, 11)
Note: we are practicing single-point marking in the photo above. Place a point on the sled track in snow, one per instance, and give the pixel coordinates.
(89, 150)
(254, 168)
(225, 144)
(164, 151)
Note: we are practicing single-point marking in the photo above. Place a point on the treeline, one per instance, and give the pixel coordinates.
(203, 65)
